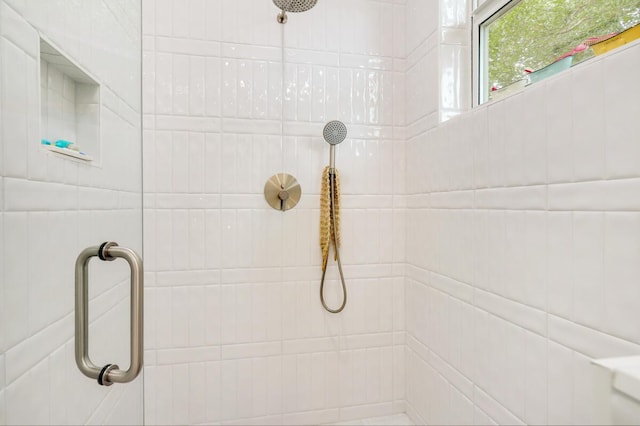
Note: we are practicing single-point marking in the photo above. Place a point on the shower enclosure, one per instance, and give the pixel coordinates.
(240, 335)
(234, 329)
(70, 163)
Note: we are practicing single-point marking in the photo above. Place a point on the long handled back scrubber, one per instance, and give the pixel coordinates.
(334, 133)
(329, 208)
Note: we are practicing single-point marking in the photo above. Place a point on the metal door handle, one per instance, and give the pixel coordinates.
(110, 373)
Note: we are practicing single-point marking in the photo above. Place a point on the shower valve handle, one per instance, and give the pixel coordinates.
(283, 195)
(282, 192)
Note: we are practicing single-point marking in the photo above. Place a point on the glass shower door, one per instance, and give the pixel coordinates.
(70, 178)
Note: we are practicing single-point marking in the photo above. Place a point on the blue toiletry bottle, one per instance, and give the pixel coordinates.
(63, 144)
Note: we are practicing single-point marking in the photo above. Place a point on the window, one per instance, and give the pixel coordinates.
(522, 41)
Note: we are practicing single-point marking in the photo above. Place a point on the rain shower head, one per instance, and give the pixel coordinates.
(295, 6)
(334, 132)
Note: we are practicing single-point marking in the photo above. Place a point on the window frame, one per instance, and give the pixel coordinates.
(484, 13)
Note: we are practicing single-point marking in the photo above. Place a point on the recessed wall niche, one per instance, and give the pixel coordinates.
(70, 106)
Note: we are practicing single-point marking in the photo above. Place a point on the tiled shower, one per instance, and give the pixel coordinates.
(237, 330)
(490, 253)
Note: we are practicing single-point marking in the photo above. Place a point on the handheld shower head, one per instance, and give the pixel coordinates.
(334, 132)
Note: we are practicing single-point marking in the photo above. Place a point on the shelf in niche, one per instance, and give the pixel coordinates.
(69, 105)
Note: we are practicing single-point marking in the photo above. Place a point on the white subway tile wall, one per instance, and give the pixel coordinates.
(522, 248)
(488, 259)
(52, 207)
(235, 329)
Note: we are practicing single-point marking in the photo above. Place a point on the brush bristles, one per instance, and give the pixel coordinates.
(336, 202)
(326, 219)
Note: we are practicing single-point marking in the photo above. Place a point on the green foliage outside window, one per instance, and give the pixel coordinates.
(534, 33)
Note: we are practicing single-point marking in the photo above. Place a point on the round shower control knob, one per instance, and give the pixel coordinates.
(283, 195)
(282, 191)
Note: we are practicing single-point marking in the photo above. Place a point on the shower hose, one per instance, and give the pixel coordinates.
(332, 183)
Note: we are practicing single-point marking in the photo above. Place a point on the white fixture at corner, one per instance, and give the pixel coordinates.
(618, 390)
